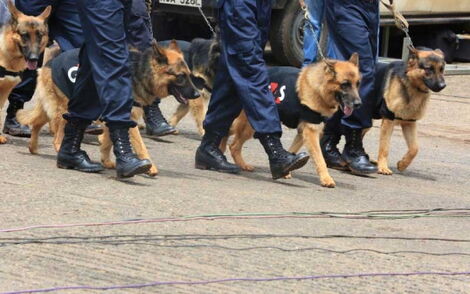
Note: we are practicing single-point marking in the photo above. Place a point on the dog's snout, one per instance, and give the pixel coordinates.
(196, 94)
(33, 57)
(357, 104)
(442, 85)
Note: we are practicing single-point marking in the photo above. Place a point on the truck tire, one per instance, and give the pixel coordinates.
(286, 35)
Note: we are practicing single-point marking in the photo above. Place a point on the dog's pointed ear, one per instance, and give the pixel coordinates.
(354, 59)
(174, 46)
(439, 52)
(330, 66)
(44, 16)
(159, 53)
(413, 56)
(14, 12)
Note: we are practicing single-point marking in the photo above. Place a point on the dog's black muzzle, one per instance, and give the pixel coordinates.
(435, 85)
(346, 99)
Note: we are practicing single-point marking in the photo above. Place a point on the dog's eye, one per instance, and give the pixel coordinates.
(346, 85)
(180, 79)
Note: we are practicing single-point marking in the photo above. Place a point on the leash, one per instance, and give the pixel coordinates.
(400, 21)
(315, 35)
(207, 20)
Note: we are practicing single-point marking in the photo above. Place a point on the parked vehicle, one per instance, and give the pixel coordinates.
(182, 19)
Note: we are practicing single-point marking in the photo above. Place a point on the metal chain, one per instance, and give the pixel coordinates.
(315, 34)
(207, 20)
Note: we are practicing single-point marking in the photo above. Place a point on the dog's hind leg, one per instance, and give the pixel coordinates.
(386, 131)
(59, 126)
(411, 137)
(105, 149)
(141, 150)
(311, 134)
(36, 126)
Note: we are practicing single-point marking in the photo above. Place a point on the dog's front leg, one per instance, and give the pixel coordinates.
(386, 131)
(105, 149)
(311, 134)
(140, 149)
(411, 137)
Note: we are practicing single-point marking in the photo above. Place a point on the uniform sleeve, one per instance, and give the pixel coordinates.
(33, 7)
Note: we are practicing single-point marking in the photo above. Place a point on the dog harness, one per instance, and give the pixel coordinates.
(291, 111)
(6, 73)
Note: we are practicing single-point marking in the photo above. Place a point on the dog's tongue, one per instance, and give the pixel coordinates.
(32, 65)
(347, 110)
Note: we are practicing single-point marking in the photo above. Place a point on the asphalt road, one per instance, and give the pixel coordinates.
(35, 192)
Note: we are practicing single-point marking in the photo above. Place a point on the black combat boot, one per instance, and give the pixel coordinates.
(127, 163)
(12, 126)
(355, 155)
(333, 158)
(70, 155)
(155, 122)
(209, 156)
(281, 162)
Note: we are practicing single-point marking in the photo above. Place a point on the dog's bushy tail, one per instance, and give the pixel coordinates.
(27, 117)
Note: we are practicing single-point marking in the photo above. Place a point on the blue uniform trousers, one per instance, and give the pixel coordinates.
(354, 27)
(312, 31)
(103, 88)
(242, 80)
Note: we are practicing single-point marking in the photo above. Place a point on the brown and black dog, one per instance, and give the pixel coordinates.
(203, 55)
(22, 41)
(322, 89)
(404, 96)
(156, 73)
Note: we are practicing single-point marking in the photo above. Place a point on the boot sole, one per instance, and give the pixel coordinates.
(206, 167)
(15, 134)
(63, 166)
(361, 173)
(137, 171)
(295, 165)
(162, 134)
(96, 132)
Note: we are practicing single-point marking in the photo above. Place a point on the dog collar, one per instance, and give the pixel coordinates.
(6, 73)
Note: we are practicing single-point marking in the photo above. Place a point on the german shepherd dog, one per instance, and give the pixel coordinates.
(322, 89)
(22, 41)
(203, 59)
(404, 96)
(157, 72)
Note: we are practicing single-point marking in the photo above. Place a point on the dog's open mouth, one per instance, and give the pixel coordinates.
(32, 64)
(178, 96)
(346, 109)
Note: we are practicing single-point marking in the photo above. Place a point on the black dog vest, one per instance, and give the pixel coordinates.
(283, 86)
(64, 71)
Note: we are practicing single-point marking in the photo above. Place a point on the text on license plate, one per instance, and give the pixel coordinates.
(191, 3)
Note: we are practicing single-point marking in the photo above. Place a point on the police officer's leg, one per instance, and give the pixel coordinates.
(21, 94)
(312, 29)
(84, 107)
(354, 27)
(224, 107)
(108, 53)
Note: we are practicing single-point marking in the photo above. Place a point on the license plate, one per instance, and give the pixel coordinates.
(190, 3)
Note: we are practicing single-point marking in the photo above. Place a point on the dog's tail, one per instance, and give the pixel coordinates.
(28, 117)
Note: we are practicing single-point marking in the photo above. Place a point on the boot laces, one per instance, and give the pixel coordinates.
(122, 144)
(275, 147)
(356, 143)
(155, 115)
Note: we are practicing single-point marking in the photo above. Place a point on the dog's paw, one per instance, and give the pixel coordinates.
(288, 177)
(383, 170)
(328, 182)
(3, 139)
(109, 164)
(401, 165)
(247, 167)
(33, 150)
(153, 171)
(201, 132)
